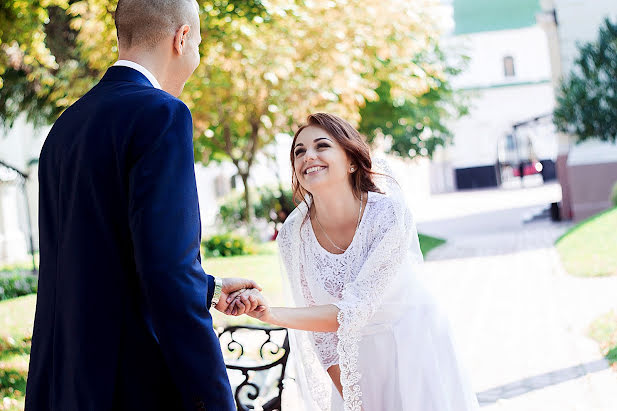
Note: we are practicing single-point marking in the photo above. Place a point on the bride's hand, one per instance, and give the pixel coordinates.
(250, 302)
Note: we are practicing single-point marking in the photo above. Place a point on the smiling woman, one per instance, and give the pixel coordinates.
(351, 254)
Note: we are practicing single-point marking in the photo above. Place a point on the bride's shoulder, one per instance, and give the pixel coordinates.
(292, 221)
(386, 208)
(381, 202)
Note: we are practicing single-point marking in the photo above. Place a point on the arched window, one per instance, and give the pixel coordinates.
(508, 66)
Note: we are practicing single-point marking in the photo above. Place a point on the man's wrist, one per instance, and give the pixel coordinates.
(218, 289)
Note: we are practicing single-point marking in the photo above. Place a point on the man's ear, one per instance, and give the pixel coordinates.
(180, 38)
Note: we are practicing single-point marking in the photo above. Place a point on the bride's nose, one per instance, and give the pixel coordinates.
(310, 155)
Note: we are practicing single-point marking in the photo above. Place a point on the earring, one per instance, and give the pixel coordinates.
(352, 169)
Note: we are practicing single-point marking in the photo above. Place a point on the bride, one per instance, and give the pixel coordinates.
(372, 338)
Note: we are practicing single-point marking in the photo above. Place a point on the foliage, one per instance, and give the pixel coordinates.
(614, 195)
(17, 318)
(588, 249)
(231, 212)
(274, 205)
(604, 330)
(227, 245)
(417, 125)
(53, 51)
(587, 104)
(264, 76)
(16, 284)
(265, 65)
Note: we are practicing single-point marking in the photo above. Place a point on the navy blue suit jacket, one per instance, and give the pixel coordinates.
(122, 320)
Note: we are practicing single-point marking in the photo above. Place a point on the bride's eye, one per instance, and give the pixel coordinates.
(299, 151)
(323, 145)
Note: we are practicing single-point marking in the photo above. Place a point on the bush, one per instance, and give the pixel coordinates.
(274, 204)
(614, 195)
(16, 284)
(227, 245)
(230, 212)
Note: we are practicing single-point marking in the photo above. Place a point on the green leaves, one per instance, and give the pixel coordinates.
(587, 102)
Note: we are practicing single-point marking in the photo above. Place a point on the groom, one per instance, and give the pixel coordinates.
(122, 320)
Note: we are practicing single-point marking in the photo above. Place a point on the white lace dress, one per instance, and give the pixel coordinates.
(393, 345)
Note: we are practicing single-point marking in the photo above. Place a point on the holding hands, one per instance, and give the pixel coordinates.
(250, 302)
(241, 296)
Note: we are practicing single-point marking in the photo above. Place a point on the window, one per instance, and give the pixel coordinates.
(508, 66)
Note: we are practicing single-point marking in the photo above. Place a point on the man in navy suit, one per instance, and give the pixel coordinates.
(122, 318)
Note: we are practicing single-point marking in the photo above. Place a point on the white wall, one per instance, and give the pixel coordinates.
(21, 144)
(496, 101)
(492, 114)
(528, 47)
(578, 21)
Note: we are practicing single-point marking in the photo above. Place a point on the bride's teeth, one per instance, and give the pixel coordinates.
(312, 169)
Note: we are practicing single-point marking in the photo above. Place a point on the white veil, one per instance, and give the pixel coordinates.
(362, 297)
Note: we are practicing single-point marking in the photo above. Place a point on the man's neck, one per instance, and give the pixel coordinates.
(148, 61)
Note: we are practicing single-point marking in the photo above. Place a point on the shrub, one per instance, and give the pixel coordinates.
(16, 284)
(614, 195)
(274, 204)
(227, 245)
(230, 212)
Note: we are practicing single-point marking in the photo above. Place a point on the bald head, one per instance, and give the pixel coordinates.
(145, 23)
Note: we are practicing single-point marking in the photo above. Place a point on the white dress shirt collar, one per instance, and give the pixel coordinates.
(141, 69)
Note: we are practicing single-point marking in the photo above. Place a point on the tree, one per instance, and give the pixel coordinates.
(417, 125)
(263, 77)
(53, 51)
(27, 65)
(587, 102)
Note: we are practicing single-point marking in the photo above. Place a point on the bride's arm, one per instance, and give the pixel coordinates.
(321, 318)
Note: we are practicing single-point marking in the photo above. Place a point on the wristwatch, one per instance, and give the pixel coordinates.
(218, 289)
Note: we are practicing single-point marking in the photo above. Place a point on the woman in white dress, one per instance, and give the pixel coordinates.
(375, 341)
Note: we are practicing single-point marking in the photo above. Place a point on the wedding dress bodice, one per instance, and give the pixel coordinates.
(323, 275)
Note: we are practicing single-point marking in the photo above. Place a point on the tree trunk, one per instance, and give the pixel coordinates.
(246, 214)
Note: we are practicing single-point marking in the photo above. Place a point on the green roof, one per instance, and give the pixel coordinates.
(473, 16)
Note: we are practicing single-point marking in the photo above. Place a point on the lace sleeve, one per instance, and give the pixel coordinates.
(394, 241)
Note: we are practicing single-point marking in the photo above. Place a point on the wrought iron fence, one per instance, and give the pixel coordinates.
(256, 359)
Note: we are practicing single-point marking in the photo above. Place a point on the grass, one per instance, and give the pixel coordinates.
(17, 315)
(604, 331)
(16, 321)
(427, 243)
(590, 248)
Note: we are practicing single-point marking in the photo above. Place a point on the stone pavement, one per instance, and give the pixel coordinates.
(519, 320)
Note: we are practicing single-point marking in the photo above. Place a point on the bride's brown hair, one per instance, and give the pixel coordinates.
(355, 147)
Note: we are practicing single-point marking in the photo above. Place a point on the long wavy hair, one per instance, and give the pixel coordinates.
(355, 147)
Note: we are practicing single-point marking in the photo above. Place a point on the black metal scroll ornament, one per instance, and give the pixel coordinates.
(270, 354)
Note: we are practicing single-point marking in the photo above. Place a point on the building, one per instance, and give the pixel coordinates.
(19, 152)
(508, 81)
(568, 23)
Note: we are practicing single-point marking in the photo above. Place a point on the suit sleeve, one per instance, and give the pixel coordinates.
(165, 227)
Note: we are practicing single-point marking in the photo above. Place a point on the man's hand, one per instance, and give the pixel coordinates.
(231, 285)
(250, 302)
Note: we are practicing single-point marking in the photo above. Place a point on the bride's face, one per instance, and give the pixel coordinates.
(319, 161)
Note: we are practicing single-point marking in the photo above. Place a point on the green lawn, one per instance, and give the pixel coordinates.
(590, 248)
(604, 331)
(16, 320)
(427, 243)
(17, 315)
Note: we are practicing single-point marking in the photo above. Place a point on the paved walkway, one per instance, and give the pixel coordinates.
(520, 321)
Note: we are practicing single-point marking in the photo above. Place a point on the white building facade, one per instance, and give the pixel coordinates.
(508, 81)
